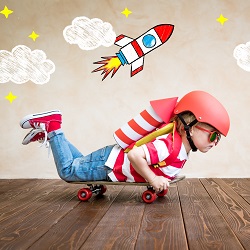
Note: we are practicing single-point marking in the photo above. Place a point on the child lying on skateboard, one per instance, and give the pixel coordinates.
(199, 121)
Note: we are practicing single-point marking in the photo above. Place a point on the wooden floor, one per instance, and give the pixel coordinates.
(195, 214)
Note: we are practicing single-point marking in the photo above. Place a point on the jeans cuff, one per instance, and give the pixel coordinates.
(55, 132)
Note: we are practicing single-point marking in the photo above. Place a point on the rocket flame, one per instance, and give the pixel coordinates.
(111, 63)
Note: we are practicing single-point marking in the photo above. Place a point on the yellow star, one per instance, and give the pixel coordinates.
(10, 97)
(33, 36)
(6, 11)
(126, 12)
(221, 19)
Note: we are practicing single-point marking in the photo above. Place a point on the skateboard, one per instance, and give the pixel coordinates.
(100, 187)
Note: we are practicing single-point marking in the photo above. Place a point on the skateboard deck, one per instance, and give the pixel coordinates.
(123, 183)
(99, 188)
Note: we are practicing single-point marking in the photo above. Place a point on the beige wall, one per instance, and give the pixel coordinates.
(199, 55)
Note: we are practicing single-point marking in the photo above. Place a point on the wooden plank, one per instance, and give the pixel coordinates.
(32, 188)
(4, 184)
(204, 223)
(43, 214)
(26, 198)
(240, 186)
(234, 208)
(73, 229)
(119, 227)
(28, 225)
(8, 186)
(162, 224)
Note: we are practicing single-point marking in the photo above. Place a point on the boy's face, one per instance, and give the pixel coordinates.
(204, 137)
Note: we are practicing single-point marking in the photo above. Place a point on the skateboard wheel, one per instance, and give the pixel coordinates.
(84, 194)
(162, 193)
(148, 196)
(103, 189)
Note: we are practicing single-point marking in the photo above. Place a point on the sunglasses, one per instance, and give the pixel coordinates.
(213, 135)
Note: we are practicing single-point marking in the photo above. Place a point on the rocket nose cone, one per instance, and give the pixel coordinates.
(164, 31)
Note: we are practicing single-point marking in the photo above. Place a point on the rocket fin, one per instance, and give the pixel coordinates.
(122, 40)
(137, 66)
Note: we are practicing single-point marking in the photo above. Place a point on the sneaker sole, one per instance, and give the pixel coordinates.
(24, 123)
(30, 135)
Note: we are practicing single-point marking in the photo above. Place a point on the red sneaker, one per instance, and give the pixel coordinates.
(34, 135)
(47, 121)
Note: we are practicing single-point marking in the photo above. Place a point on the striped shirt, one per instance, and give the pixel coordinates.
(155, 151)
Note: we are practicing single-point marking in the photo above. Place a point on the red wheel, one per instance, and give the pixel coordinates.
(103, 189)
(148, 196)
(162, 193)
(84, 194)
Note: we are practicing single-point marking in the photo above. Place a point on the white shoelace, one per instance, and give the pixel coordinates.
(44, 141)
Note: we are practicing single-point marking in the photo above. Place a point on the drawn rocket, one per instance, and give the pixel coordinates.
(134, 50)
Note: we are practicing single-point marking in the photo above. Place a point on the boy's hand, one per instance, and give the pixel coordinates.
(137, 158)
(159, 183)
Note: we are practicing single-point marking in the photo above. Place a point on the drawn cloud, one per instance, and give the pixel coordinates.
(242, 55)
(22, 65)
(89, 34)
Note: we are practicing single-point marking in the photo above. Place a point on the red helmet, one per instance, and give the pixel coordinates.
(206, 109)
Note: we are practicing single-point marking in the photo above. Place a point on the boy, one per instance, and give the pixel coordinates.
(200, 119)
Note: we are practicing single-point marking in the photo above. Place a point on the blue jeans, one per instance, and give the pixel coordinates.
(72, 165)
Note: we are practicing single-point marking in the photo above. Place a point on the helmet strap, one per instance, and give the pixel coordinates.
(187, 130)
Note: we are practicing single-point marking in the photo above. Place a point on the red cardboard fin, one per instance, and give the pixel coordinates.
(164, 108)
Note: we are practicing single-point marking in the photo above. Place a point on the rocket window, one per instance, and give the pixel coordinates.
(149, 41)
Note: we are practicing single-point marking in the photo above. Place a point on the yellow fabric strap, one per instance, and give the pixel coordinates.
(158, 132)
(160, 164)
